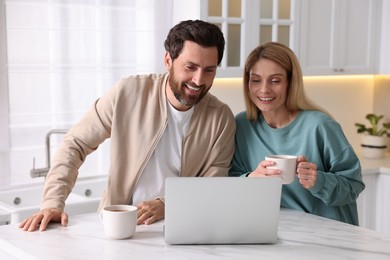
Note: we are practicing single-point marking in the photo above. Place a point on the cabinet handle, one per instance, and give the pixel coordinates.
(338, 70)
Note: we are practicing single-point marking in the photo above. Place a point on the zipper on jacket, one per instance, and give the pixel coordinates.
(148, 156)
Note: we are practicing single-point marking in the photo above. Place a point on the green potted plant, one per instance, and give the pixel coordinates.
(374, 140)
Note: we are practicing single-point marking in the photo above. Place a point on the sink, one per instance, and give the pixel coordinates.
(90, 188)
(22, 202)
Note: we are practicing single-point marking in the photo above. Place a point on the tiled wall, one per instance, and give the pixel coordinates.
(56, 59)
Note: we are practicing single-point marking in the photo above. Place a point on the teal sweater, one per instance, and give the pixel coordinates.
(321, 140)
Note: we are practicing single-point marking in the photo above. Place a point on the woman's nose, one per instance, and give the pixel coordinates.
(263, 87)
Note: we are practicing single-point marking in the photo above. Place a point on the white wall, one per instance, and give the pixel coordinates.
(348, 99)
(229, 90)
(4, 131)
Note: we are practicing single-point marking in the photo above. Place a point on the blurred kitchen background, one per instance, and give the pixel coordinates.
(58, 56)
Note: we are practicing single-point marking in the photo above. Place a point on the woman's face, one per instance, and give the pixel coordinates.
(268, 85)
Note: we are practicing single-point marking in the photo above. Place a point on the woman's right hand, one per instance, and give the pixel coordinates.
(263, 171)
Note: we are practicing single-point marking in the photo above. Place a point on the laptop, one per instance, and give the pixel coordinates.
(222, 210)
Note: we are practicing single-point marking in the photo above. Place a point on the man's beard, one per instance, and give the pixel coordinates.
(181, 95)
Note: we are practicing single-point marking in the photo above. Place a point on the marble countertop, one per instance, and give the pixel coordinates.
(300, 236)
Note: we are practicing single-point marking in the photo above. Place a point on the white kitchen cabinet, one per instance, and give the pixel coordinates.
(374, 202)
(245, 24)
(339, 37)
(383, 205)
(384, 60)
(366, 202)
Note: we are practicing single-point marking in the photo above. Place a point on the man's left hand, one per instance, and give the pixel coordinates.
(150, 211)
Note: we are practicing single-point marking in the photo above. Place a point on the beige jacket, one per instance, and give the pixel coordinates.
(133, 114)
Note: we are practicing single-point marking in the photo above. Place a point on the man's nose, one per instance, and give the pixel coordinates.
(198, 78)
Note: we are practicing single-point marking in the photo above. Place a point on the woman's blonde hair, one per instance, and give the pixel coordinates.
(284, 57)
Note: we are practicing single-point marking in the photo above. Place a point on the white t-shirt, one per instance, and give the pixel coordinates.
(166, 159)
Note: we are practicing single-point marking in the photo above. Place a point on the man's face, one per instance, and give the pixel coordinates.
(191, 74)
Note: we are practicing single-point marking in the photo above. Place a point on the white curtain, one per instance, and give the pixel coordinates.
(57, 57)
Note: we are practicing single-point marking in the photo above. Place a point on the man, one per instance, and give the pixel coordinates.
(159, 126)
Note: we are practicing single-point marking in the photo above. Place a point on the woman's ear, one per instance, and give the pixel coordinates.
(167, 61)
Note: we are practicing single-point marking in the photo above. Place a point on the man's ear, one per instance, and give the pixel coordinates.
(167, 61)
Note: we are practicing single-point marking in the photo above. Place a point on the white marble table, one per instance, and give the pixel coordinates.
(300, 236)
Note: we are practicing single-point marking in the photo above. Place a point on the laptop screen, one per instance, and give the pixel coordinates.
(221, 210)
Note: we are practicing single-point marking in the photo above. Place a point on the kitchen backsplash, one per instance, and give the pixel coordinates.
(347, 98)
(382, 96)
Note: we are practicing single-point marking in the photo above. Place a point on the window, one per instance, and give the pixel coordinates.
(57, 57)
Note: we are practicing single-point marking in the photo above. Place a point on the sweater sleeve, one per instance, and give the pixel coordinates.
(240, 163)
(339, 182)
(237, 168)
(342, 183)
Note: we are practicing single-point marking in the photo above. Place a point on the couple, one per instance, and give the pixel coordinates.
(146, 116)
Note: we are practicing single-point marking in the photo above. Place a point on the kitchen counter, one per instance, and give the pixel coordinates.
(375, 166)
(374, 202)
(300, 236)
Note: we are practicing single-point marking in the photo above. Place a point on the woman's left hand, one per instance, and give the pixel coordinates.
(307, 172)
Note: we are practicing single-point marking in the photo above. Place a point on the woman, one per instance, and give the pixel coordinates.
(280, 119)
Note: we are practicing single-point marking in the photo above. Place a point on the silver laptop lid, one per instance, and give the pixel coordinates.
(221, 210)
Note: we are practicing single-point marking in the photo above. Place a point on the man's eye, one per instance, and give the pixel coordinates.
(210, 70)
(190, 67)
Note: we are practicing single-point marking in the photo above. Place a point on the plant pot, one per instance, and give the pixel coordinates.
(374, 147)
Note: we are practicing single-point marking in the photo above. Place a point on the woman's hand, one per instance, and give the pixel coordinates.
(307, 172)
(263, 171)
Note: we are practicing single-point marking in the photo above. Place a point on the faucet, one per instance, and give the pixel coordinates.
(42, 172)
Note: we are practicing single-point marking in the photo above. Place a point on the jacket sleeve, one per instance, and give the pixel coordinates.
(209, 145)
(81, 140)
(223, 148)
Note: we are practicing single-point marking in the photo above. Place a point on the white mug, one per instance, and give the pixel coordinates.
(287, 164)
(119, 221)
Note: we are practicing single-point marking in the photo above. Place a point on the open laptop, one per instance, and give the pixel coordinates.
(222, 210)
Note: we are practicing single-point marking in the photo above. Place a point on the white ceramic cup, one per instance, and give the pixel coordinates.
(286, 163)
(119, 221)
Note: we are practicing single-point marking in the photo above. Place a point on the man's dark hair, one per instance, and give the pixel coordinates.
(203, 33)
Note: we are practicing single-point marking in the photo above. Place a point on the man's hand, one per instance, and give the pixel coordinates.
(43, 218)
(150, 211)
